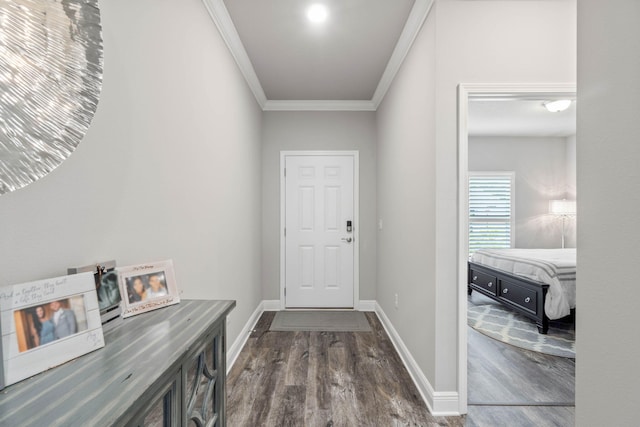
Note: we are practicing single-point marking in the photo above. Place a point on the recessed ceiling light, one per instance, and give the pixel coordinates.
(317, 13)
(557, 106)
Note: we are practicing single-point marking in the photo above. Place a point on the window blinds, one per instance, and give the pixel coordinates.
(490, 210)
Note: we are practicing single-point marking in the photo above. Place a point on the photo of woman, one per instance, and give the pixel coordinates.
(136, 289)
(44, 325)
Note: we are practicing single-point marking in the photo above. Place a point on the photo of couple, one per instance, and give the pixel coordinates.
(145, 287)
(48, 322)
(107, 289)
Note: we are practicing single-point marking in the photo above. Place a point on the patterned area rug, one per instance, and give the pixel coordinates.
(504, 325)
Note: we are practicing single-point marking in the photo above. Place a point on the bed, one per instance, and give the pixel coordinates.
(538, 283)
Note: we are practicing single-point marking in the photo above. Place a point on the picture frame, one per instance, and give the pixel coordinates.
(47, 323)
(147, 287)
(107, 288)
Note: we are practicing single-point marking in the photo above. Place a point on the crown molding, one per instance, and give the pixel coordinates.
(417, 16)
(519, 91)
(220, 16)
(320, 105)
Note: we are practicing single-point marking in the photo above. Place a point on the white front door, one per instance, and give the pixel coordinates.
(319, 231)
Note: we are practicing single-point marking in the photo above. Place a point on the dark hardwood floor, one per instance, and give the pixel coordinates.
(357, 379)
(508, 386)
(324, 379)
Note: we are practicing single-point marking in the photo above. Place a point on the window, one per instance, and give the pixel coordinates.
(490, 210)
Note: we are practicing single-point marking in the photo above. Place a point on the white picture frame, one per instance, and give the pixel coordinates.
(147, 287)
(47, 323)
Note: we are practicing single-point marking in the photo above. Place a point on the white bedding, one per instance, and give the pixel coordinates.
(556, 267)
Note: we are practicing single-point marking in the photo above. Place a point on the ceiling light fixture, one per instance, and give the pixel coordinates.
(557, 106)
(317, 13)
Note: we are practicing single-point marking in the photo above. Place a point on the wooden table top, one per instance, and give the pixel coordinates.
(97, 388)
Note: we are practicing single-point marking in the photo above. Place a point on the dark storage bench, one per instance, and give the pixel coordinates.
(525, 296)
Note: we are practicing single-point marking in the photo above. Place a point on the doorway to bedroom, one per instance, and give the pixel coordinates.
(517, 162)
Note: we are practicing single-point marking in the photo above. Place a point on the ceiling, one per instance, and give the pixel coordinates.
(345, 63)
(341, 59)
(349, 61)
(519, 118)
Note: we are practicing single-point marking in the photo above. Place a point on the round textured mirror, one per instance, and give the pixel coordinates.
(50, 81)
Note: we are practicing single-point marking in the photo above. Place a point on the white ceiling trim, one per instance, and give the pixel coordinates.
(519, 91)
(418, 15)
(320, 105)
(222, 19)
(220, 16)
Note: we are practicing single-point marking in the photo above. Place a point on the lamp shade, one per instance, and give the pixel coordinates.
(562, 207)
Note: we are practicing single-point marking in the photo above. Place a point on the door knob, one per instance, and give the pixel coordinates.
(347, 239)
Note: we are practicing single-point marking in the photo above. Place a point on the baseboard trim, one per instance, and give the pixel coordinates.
(367, 305)
(271, 305)
(446, 403)
(439, 403)
(234, 351)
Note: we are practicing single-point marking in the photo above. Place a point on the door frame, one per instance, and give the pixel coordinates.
(355, 154)
(465, 93)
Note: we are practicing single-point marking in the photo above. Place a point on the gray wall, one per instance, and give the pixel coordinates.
(571, 167)
(572, 189)
(462, 42)
(541, 169)
(406, 185)
(607, 379)
(318, 131)
(170, 167)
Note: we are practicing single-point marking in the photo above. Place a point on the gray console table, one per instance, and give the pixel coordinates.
(162, 368)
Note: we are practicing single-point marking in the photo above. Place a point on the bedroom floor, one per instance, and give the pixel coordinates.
(509, 386)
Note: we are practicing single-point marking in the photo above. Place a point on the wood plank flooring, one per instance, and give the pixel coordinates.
(520, 416)
(357, 379)
(324, 379)
(509, 386)
(502, 374)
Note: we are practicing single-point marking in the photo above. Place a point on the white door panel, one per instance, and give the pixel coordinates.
(319, 252)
